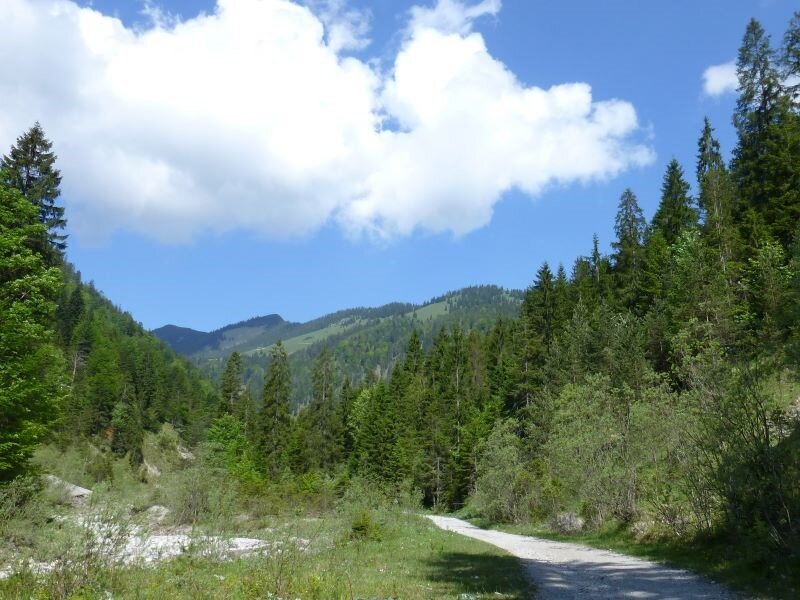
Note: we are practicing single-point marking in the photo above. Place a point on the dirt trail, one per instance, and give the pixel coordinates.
(561, 570)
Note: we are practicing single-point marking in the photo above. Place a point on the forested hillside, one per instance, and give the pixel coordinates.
(73, 365)
(362, 340)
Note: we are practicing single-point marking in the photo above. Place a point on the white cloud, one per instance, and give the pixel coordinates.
(452, 16)
(252, 118)
(720, 79)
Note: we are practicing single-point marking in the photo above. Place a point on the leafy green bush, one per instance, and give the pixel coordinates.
(504, 487)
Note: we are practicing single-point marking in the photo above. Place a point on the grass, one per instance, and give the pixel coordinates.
(410, 559)
(727, 561)
(360, 543)
(431, 311)
(300, 342)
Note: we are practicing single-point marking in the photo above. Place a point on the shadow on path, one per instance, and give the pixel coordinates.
(612, 580)
(480, 575)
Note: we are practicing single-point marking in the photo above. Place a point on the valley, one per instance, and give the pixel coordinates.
(626, 425)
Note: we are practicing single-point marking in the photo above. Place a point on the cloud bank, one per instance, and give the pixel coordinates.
(255, 117)
(720, 79)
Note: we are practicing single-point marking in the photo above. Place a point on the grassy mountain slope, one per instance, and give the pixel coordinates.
(362, 339)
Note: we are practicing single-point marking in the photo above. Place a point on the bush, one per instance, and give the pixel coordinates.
(201, 493)
(753, 465)
(504, 485)
(364, 526)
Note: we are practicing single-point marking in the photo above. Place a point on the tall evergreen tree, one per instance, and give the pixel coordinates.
(321, 427)
(675, 211)
(539, 306)
(69, 315)
(274, 419)
(31, 368)
(759, 87)
(767, 158)
(231, 386)
(30, 167)
(709, 156)
(717, 196)
(790, 60)
(629, 226)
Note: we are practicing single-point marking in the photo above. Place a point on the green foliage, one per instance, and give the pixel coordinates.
(675, 211)
(231, 386)
(629, 226)
(230, 448)
(274, 420)
(31, 368)
(504, 487)
(29, 168)
(752, 466)
(647, 388)
(364, 527)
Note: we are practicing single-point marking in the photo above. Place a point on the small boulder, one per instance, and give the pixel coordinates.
(74, 494)
(157, 514)
(568, 523)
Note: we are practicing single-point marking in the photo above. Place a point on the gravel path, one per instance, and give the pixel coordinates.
(562, 570)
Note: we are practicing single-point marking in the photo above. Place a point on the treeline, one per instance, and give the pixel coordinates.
(653, 385)
(376, 339)
(73, 365)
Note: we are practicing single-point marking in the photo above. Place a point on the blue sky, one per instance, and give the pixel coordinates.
(650, 56)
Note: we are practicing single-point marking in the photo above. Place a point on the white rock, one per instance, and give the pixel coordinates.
(74, 492)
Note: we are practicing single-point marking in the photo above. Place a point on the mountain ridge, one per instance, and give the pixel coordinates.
(260, 332)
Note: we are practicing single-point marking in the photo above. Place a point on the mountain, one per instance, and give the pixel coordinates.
(189, 341)
(361, 339)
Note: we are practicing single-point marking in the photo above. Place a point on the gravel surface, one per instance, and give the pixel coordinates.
(561, 570)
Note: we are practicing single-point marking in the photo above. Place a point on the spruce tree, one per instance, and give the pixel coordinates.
(766, 165)
(30, 167)
(790, 60)
(675, 211)
(322, 428)
(31, 368)
(539, 306)
(231, 386)
(716, 198)
(759, 87)
(274, 419)
(629, 226)
(709, 156)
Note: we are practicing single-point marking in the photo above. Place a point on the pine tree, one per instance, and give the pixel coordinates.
(629, 226)
(29, 167)
(675, 211)
(766, 147)
(790, 60)
(69, 315)
(31, 369)
(717, 196)
(231, 386)
(274, 419)
(709, 156)
(321, 426)
(562, 300)
(759, 86)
